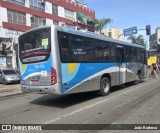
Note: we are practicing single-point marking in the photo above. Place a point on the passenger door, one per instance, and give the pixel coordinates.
(121, 74)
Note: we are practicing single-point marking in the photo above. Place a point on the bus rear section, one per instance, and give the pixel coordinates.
(38, 73)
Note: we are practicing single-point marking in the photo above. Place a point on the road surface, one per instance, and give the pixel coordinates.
(133, 104)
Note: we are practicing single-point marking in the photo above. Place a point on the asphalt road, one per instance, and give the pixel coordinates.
(133, 104)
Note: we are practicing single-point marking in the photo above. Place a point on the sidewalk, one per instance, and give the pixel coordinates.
(11, 89)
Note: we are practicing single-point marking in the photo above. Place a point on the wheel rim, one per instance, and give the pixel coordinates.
(105, 86)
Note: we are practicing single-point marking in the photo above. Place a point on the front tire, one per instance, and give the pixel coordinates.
(105, 86)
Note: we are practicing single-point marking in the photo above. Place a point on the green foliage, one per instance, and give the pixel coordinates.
(101, 23)
(138, 40)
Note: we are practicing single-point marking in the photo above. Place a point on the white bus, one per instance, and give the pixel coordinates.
(60, 60)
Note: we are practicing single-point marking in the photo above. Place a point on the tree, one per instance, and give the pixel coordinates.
(138, 40)
(101, 23)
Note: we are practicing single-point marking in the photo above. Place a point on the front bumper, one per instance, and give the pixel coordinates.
(12, 80)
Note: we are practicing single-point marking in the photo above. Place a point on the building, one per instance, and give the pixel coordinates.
(18, 16)
(154, 39)
(114, 33)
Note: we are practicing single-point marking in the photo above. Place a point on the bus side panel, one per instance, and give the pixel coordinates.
(144, 73)
(112, 69)
(77, 73)
(56, 63)
(132, 69)
(81, 77)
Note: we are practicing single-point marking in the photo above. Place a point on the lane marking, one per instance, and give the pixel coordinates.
(90, 106)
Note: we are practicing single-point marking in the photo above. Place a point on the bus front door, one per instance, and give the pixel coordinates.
(121, 73)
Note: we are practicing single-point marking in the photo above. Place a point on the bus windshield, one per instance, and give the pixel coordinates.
(35, 46)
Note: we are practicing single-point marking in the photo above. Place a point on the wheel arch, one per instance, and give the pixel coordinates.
(139, 71)
(106, 75)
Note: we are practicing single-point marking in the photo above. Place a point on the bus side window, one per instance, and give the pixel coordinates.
(112, 53)
(143, 57)
(134, 54)
(130, 54)
(88, 47)
(127, 53)
(106, 51)
(98, 51)
(66, 55)
(77, 48)
(138, 55)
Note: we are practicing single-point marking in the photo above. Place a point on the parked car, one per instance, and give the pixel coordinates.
(9, 76)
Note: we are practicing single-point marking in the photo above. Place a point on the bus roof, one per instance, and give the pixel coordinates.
(85, 34)
(34, 29)
(97, 36)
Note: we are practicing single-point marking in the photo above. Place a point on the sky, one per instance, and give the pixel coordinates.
(128, 13)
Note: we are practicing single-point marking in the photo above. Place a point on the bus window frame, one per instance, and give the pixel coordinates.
(32, 55)
(94, 41)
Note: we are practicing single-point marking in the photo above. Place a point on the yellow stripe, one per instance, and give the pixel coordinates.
(23, 67)
(71, 67)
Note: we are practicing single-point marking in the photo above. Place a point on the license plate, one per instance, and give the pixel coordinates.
(34, 82)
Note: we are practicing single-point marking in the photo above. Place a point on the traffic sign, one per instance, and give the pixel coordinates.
(130, 31)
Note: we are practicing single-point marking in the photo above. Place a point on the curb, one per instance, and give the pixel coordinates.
(10, 95)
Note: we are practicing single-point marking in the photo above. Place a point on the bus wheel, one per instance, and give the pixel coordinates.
(137, 79)
(105, 86)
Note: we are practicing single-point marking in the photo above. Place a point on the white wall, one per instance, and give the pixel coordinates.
(3, 18)
(28, 20)
(48, 7)
(61, 11)
(26, 3)
(49, 22)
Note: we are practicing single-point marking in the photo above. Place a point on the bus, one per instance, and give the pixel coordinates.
(61, 60)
